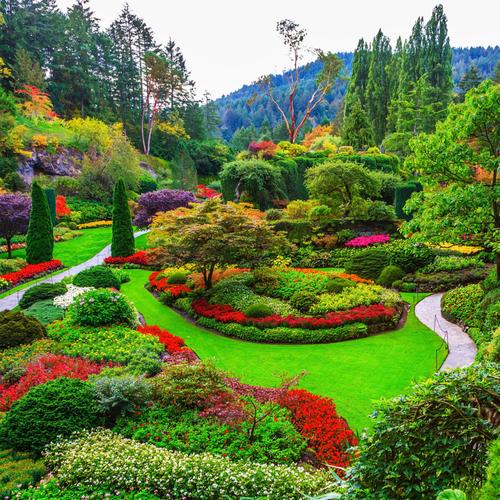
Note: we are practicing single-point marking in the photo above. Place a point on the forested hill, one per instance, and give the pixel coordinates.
(248, 107)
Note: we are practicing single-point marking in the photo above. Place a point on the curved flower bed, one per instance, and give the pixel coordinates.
(31, 271)
(139, 258)
(162, 285)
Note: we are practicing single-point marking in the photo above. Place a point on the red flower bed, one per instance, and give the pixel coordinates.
(316, 419)
(31, 271)
(140, 258)
(62, 208)
(226, 314)
(172, 343)
(45, 368)
(205, 192)
(162, 285)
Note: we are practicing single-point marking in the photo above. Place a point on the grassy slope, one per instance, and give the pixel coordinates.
(353, 373)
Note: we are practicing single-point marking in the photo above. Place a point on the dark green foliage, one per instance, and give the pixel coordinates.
(123, 242)
(389, 275)
(303, 300)
(356, 128)
(368, 263)
(18, 470)
(492, 486)
(56, 408)
(435, 437)
(258, 311)
(178, 278)
(410, 256)
(14, 182)
(336, 285)
(89, 210)
(274, 214)
(45, 311)
(40, 237)
(41, 292)
(97, 277)
(17, 328)
(383, 162)
(402, 194)
(147, 183)
(51, 200)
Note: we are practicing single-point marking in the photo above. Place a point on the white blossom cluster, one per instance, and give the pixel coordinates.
(65, 300)
(104, 458)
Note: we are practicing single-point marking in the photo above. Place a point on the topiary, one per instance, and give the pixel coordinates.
(123, 242)
(41, 292)
(303, 300)
(368, 263)
(177, 278)
(16, 328)
(336, 285)
(389, 275)
(56, 408)
(258, 311)
(97, 277)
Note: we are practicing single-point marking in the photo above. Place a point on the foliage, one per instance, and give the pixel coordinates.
(14, 216)
(492, 484)
(160, 201)
(337, 285)
(14, 358)
(104, 458)
(37, 104)
(45, 311)
(453, 263)
(57, 408)
(41, 292)
(365, 241)
(16, 328)
(11, 265)
(102, 307)
(389, 275)
(18, 470)
(433, 438)
(300, 209)
(123, 242)
(303, 300)
(410, 255)
(40, 237)
(258, 310)
(461, 304)
(62, 209)
(97, 277)
(89, 211)
(368, 263)
(31, 271)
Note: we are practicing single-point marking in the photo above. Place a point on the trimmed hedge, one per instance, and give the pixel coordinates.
(97, 277)
(368, 263)
(40, 292)
(402, 194)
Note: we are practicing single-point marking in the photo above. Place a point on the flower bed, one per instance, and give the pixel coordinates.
(96, 223)
(161, 284)
(138, 258)
(174, 345)
(365, 241)
(31, 271)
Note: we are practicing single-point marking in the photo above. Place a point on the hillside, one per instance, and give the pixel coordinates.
(246, 106)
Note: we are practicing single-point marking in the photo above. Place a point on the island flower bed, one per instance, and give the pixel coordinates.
(139, 258)
(31, 271)
(160, 283)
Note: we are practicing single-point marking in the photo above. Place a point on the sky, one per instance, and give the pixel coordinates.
(228, 43)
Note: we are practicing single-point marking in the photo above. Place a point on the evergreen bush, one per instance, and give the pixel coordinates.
(368, 263)
(337, 285)
(389, 275)
(51, 200)
(123, 242)
(258, 311)
(16, 328)
(97, 277)
(41, 292)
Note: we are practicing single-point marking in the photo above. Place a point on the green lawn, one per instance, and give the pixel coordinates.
(354, 373)
(141, 242)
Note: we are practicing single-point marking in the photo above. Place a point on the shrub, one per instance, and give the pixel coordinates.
(337, 285)
(368, 263)
(121, 275)
(274, 214)
(102, 307)
(433, 438)
(45, 311)
(452, 263)
(123, 242)
(492, 486)
(410, 256)
(461, 304)
(303, 300)
(57, 408)
(177, 278)
(16, 328)
(41, 292)
(40, 236)
(365, 241)
(389, 275)
(258, 311)
(18, 470)
(102, 457)
(97, 277)
(11, 265)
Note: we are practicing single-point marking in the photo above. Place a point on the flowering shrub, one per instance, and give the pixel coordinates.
(172, 343)
(364, 241)
(139, 258)
(316, 419)
(205, 192)
(65, 300)
(159, 282)
(462, 305)
(31, 271)
(15, 358)
(46, 367)
(104, 458)
(266, 149)
(62, 209)
(96, 223)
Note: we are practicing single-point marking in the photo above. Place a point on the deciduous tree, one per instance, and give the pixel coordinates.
(14, 217)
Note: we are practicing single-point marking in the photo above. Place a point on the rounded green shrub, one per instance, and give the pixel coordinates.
(336, 285)
(410, 256)
(101, 307)
(16, 328)
(274, 214)
(258, 311)
(368, 263)
(303, 300)
(11, 265)
(97, 277)
(177, 278)
(389, 275)
(40, 292)
(45, 311)
(57, 408)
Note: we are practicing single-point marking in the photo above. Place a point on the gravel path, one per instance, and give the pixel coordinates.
(461, 348)
(12, 300)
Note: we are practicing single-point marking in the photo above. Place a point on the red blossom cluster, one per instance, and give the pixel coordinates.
(31, 271)
(62, 208)
(140, 258)
(172, 343)
(266, 148)
(225, 407)
(206, 193)
(261, 394)
(45, 368)
(316, 419)
(226, 314)
(162, 285)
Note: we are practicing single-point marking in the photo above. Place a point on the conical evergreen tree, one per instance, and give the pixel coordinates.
(356, 129)
(471, 79)
(123, 242)
(40, 237)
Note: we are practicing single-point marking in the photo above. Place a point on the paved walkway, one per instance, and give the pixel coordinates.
(12, 300)
(461, 348)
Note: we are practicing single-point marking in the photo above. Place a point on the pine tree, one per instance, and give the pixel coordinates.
(359, 76)
(123, 242)
(471, 79)
(40, 237)
(356, 128)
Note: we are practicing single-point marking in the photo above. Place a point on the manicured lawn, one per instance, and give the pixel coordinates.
(141, 243)
(353, 373)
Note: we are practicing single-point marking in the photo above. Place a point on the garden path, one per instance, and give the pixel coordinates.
(12, 300)
(461, 348)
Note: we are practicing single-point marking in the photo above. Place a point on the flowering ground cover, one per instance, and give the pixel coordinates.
(30, 271)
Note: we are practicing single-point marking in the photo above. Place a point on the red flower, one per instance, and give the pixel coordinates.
(173, 344)
(30, 271)
(162, 285)
(62, 208)
(140, 258)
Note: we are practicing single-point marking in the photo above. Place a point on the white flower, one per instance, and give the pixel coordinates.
(64, 301)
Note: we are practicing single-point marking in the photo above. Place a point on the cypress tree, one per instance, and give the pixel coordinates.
(356, 129)
(40, 237)
(356, 89)
(51, 200)
(123, 242)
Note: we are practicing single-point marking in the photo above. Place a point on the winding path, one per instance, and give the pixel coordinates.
(12, 300)
(461, 349)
